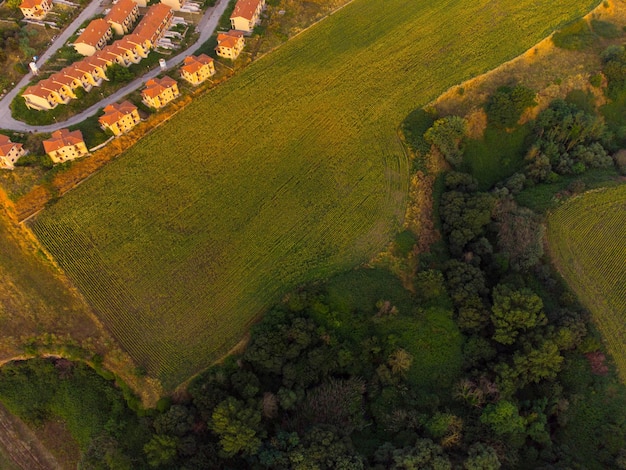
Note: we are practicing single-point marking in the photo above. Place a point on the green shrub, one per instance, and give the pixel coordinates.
(605, 29)
(596, 80)
(506, 105)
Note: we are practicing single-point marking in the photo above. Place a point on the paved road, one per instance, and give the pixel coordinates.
(206, 26)
(6, 121)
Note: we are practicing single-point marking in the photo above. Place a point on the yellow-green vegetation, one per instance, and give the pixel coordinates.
(288, 172)
(586, 237)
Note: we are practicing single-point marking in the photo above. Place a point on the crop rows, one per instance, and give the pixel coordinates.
(586, 237)
(288, 172)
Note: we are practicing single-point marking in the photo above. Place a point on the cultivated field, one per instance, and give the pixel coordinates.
(288, 172)
(586, 237)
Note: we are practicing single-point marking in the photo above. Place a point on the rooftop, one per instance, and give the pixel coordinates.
(120, 11)
(114, 112)
(245, 9)
(62, 138)
(94, 32)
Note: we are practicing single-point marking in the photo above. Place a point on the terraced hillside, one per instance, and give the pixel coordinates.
(288, 172)
(586, 237)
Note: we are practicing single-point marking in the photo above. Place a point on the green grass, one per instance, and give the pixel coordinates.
(496, 156)
(546, 196)
(288, 172)
(574, 37)
(429, 334)
(586, 238)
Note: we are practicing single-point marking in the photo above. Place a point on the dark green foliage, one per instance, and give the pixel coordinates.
(520, 235)
(93, 410)
(119, 74)
(506, 105)
(464, 217)
(568, 141)
(605, 29)
(414, 127)
(574, 37)
(515, 311)
(447, 136)
(614, 69)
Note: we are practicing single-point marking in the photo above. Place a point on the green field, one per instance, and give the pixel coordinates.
(290, 171)
(586, 237)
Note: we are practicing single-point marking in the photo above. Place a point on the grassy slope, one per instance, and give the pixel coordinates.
(34, 299)
(586, 237)
(288, 172)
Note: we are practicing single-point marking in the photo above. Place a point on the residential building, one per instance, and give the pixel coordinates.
(154, 24)
(230, 44)
(74, 73)
(35, 9)
(141, 3)
(122, 16)
(92, 70)
(160, 92)
(196, 69)
(119, 118)
(93, 38)
(246, 15)
(9, 152)
(47, 94)
(174, 4)
(65, 145)
(134, 50)
(68, 83)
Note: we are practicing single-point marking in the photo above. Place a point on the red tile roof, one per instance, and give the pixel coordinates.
(94, 32)
(120, 11)
(152, 21)
(114, 112)
(229, 39)
(155, 87)
(62, 138)
(6, 145)
(245, 9)
(30, 3)
(195, 63)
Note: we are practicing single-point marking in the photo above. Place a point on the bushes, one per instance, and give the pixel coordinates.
(447, 135)
(506, 105)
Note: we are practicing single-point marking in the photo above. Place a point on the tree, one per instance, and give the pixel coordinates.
(237, 426)
(506, 105)
(503, 418)
(119, 74)
(482, 457)
(464, 217)
(520, 235)
(535, 364)
(176, 421)
(424, 455)
(447, 135)
(161, 450)
(514, 311)
(465, 282)
(400, 361)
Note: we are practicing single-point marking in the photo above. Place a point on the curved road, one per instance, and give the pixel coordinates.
(206, 26)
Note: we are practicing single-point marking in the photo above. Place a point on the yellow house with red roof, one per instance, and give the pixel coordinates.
(65, 145)
(230, 44)
(47, 94)
(35, 9)
(122, 16)
(160, 92)
(246, 15)
(119, 118)
(93, 38)
(197, 69)
(9, 152)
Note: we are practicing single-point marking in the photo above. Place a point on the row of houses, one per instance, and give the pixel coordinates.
(60, 87)
(38, 9)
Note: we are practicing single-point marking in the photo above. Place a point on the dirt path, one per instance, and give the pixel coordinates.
(20, 444)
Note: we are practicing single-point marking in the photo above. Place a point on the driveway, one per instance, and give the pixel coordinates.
(206, 26)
